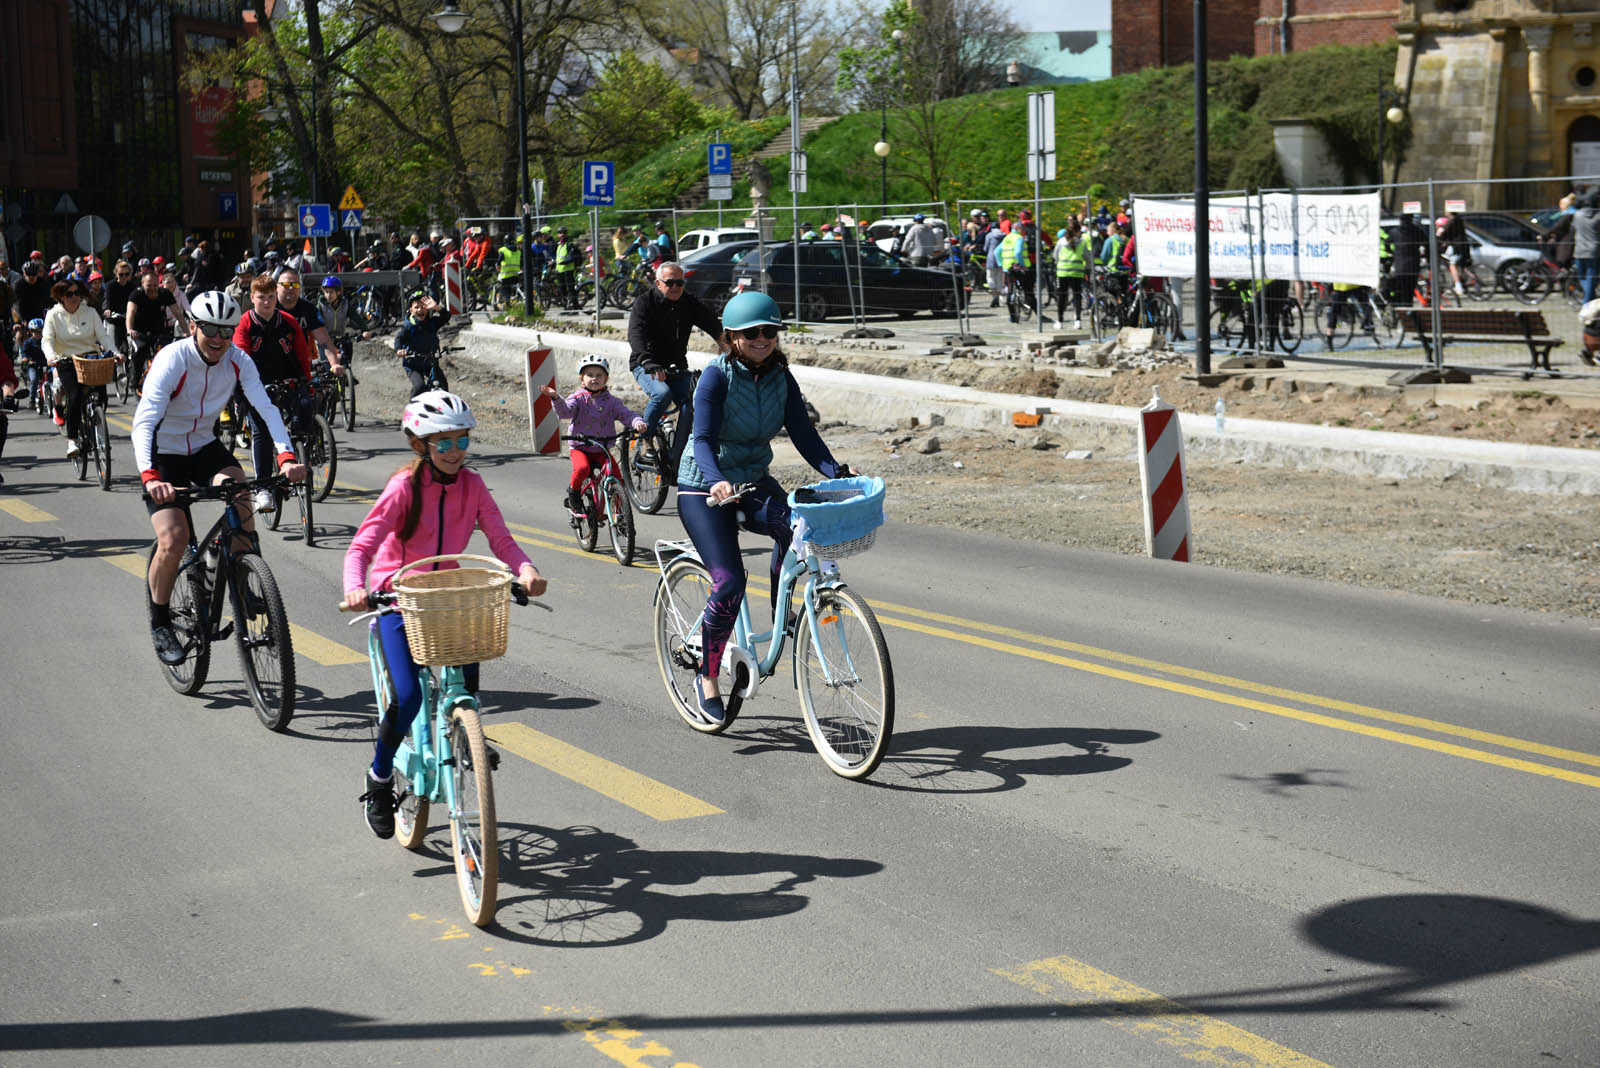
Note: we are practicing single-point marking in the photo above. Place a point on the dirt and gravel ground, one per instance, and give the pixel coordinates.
(1439, 538)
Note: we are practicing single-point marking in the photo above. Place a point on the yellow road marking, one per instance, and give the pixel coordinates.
(132, 563)
(1192, 1035)
(324, 651)
(120, 422)
(1317, 718)
(655, 799)
(24, 511)
(1488, 737)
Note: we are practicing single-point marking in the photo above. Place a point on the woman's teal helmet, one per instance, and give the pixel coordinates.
(751, 309)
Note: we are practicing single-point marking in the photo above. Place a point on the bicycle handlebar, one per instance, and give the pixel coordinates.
(226, 488)
(379, 600)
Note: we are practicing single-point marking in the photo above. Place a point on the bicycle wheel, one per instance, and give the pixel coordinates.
(266, 653)
(1103, 318)
(347, 398)
(586, 525)
(188, 608)
(681, 597)
(642, 462)
(1291, 325)
(1227, 327)
(1383, 322)
(411, 813)
(846, 683)
(124, 380)
(474, 837)
(1477, 281)
(322, 457)
(80, 461)
(619, 520)
(102, 447)
(1161, 314)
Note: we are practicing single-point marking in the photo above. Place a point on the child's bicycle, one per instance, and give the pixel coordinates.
(841, 662)
(605, 502)
(214, 569)
(452, 617)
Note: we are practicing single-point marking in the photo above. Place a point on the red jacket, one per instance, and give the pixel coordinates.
(278, 347)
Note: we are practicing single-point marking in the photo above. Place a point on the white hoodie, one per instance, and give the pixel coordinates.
(183, 395)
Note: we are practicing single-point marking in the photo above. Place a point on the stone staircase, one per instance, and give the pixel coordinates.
(695, 197)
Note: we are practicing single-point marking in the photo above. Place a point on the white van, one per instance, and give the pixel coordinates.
(694, 239)
(887, 231)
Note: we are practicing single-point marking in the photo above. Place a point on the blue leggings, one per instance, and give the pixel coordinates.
(395, 720)
(715, 533)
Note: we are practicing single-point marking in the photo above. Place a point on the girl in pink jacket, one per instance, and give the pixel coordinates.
(595, 411)
(429, 509)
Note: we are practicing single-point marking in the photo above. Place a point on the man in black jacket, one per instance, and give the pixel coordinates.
(659, 326)
(1410, 249)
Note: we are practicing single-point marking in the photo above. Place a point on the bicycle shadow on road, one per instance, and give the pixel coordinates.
(589, 888)
(43, 549)
(964, 760)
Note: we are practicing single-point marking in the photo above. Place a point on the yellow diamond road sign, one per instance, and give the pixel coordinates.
(351, 200)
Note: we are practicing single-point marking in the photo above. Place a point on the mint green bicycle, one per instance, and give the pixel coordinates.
(841, 662)
(452, 617)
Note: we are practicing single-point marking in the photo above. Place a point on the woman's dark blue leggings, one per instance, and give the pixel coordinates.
(394, 721)
(715, 533)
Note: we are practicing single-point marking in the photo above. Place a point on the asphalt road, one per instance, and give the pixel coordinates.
(1135, 814)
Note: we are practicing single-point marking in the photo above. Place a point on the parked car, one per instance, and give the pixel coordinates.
(837, 275)
(887, 231)
(708, 270)
(698, 239)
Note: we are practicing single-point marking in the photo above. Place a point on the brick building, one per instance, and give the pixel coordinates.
(1159, 33)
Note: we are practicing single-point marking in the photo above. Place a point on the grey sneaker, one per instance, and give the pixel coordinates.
(263, 501)
(168, 648)
(379, 800)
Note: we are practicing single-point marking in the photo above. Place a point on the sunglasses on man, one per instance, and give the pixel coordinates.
(288, 285)
(214, 330)
(753, 332)
(672, 283)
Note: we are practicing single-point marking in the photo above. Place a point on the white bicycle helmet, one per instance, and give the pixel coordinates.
(595, 360)
(217, 308)
(436, 412)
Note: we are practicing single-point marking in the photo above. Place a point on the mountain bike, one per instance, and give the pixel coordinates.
(1366, 312)
(648, 466)
(605, 503)
(94, 433)
(840, 663)
(313, 446)
(452, 617)
(259, 623)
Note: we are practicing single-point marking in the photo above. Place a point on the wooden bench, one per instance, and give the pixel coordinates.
(1474, 324)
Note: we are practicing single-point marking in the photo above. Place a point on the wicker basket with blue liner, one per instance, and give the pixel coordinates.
(457, 615)
(842, 514)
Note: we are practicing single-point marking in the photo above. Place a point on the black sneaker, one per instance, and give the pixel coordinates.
(575, 502)
(379, 800)
(168, 648)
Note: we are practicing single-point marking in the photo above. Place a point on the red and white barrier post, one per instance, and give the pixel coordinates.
(455, 299)
(1161, 477)
(542, 420)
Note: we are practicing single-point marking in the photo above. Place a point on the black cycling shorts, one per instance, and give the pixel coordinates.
(196, 469)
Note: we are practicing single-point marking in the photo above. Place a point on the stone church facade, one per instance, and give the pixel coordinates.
(1491, 88)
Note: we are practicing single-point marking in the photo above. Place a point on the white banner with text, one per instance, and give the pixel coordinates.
(1311, 237)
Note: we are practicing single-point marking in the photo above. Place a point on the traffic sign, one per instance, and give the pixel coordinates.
(350, 220)
(599, 183)
(797, 172)
(66, 205)
(228, 206)
(1041, 137)
(350, 201)
(720, 192)
(720, 181)
(92, 233)
(316, 220)
(719, 158)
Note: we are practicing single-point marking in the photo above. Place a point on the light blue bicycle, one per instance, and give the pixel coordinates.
(444, 757)
(841, 662)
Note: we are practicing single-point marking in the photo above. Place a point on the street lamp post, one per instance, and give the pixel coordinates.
(453, 20)
(1394, 115)
(882, 151)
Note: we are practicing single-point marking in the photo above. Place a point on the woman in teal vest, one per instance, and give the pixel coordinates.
(744, 399)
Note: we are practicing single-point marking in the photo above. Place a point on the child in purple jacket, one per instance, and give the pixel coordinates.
(593, 411)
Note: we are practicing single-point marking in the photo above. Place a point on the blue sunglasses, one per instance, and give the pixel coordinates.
(464, 442)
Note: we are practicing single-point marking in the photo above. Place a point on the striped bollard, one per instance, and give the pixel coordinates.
(455, 300)
(1166, 505)
(542, 419)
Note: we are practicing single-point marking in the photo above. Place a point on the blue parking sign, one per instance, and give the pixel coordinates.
(599, 183)
(719, 158)
(228, 206)
(316, 220)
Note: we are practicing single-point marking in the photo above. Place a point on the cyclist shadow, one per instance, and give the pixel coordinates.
(500, 703)
(583, 887)
(964, 760)
(323, 717)
(39, 549)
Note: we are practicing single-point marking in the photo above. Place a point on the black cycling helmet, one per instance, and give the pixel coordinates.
(416, 295)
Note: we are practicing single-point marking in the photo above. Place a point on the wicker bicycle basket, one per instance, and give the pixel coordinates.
(457, 615)
(95, 372)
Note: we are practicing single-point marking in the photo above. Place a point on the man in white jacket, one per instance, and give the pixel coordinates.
(189, 383)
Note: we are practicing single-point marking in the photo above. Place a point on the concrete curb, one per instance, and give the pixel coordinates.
(873, 400)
